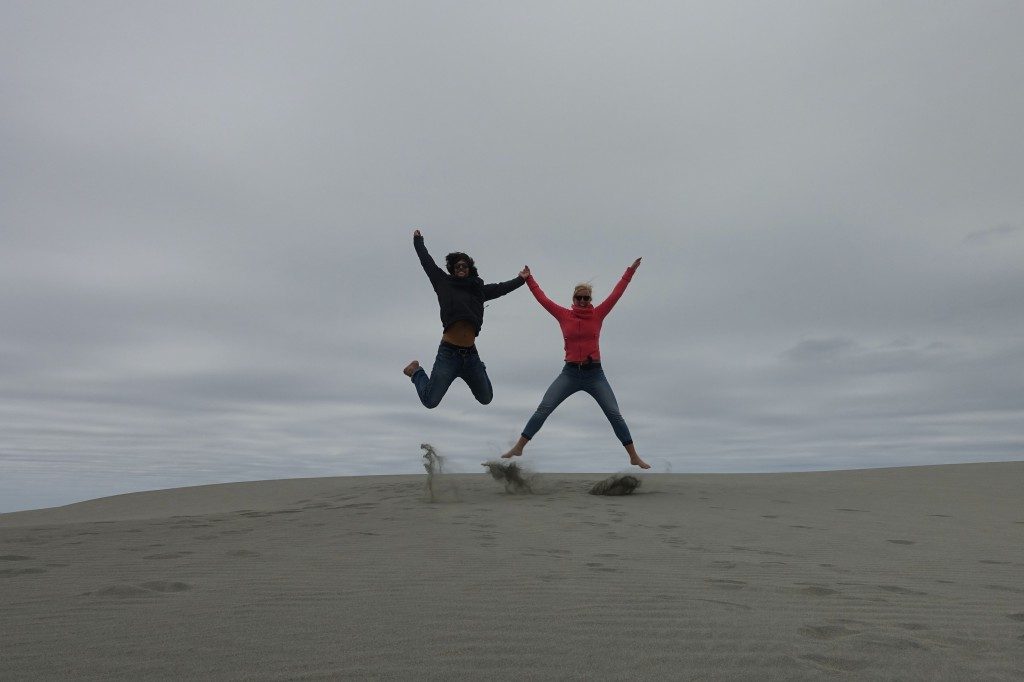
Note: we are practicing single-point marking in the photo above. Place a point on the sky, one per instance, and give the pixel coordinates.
(206, 217)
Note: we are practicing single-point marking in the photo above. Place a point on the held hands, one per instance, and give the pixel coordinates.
(416, 233)
(635, 264)
(525, 273)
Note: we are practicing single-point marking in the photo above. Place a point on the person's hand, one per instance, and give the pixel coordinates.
(636, 264)
(416, 233)
(525, 274)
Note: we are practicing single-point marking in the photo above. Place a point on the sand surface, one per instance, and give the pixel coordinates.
(908, 574)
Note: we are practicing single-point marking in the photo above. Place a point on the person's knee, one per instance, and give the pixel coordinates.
(430, 402)
(613, 413)
(484, 394)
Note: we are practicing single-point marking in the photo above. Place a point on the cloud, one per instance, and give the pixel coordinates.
(812, 350)
(993, 234)
(206, 264)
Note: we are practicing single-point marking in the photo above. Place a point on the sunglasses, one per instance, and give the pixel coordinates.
(581, 298)
(461, 265)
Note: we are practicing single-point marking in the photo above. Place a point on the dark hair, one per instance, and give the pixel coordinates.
(454, 257)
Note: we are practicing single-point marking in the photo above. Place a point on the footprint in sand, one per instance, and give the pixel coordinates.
(818, 591)
(1004, 588)
(11, 572)
(884, 644)
(168, 555)
(724, 584)
(1019, 617)
(837, 663)
(726, 603)
(166, 586)
(243, 552)
(993, 562)
(142, 590)
(15, 557)
(827, 631)
(896, 589)
(845, 509)
(902, 542)
(913, 627)
(122, 591)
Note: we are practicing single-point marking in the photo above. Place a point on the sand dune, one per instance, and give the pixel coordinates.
(909, 574)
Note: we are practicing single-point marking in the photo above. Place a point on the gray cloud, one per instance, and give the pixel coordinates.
(993, 234)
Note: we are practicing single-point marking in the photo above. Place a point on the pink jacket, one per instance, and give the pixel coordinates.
(581, 326)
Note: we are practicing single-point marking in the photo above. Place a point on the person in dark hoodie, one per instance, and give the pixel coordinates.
(461, 294)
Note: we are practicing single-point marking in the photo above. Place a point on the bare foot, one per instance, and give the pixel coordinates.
(517, 449)
(411, 368)
(635, 459)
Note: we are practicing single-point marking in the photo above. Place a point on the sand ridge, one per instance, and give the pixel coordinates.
(912, 573)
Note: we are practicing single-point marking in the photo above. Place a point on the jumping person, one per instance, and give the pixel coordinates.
(581, 329)
(461, 294)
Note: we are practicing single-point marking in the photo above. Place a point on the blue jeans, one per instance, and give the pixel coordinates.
(572, 379)
(451, 363)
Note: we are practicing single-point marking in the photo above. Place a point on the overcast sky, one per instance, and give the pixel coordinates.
(206, 216)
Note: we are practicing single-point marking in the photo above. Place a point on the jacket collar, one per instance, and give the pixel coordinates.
(469, 282)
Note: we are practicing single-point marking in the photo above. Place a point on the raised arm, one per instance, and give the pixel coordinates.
(549, 305)
(434, 273)
(607, 304)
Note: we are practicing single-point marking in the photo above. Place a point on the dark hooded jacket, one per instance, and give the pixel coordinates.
(461, 298)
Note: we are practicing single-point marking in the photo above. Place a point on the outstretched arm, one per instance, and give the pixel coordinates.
(434, 273)
(502, 288)
(607, 304)
(548, 305)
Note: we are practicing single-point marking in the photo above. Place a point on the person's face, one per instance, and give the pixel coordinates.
(581, 298)
(461, 268)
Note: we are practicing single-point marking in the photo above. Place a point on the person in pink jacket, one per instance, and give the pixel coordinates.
(581, 329)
